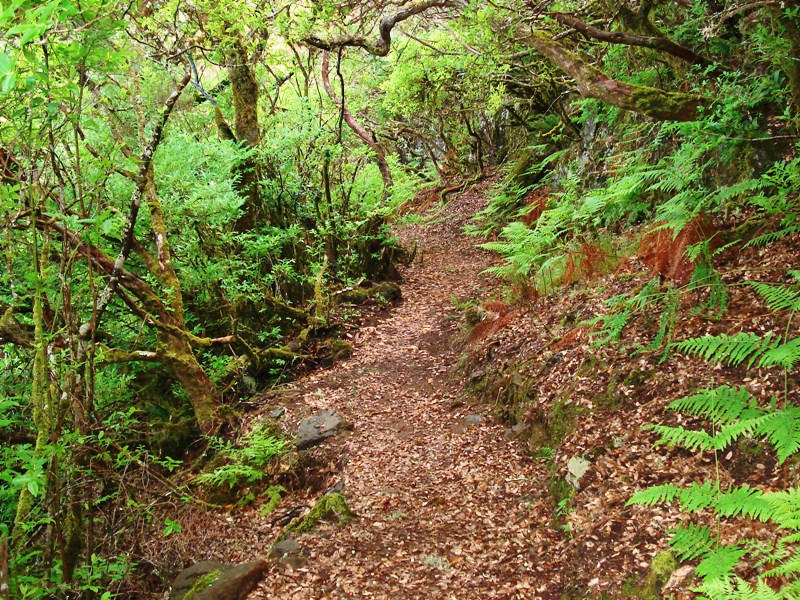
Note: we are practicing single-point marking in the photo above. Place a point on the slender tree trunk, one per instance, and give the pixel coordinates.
(40, 400)
(5, 590)
(366, 136)
(791, 65)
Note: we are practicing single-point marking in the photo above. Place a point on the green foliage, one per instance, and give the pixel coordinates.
(766, 351)
(732, 413)
(651, 299)
(249, 461)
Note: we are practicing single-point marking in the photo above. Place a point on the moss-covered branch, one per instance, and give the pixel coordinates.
(593, 83)
(329, 506)
(11, 331)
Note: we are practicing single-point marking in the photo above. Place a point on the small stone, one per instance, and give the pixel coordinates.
(286, 547)
(314, 430)
(476, 375)
(277, 413)
(473, 420)
(576, 468)
(225, 583)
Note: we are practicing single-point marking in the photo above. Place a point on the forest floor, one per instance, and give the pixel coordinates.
(440, 493)
(457, 465)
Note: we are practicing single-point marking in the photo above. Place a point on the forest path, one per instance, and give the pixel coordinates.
(441, 495)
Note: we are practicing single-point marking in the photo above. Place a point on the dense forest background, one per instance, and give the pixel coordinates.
(189, 186)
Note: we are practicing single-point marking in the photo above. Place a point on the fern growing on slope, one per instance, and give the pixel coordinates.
(733, 413)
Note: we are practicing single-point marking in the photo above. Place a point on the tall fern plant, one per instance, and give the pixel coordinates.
(733, 413)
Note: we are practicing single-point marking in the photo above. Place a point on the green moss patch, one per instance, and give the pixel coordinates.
(327, 507)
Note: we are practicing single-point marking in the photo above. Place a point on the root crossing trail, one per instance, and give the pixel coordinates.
(441, 495)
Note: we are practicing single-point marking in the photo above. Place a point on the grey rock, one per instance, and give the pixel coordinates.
(286, 547)
(231, 583)
(314, 430)
(473, 420)
(576, 468)
(277, 413)
(476, 376)
(337, 488)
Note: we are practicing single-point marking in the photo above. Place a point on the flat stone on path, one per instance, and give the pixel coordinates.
(315, 429)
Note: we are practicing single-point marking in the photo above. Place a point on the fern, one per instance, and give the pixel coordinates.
(773, 236)
(719, 562)
(691, 541)
(777, 297)
(723, 404)
(248, 462)
(736, 588)
(782, 429)
(766, 351)
(731, 349)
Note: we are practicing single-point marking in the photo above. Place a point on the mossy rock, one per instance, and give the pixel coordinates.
(609, 398)
(590, 366)
(341, 349)
(662, 567)
(562, 418)
(386, 292)
(637, 378)
(194, 579)
(354, 296)
(202, 583)
(329, 506)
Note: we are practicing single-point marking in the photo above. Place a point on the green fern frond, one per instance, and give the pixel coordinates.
(782, 429)
(785, 355)
(698, 497)
(723, 404)
(745, 501)
(738, 190)
(719, 562)
(731, 432)
(613, 325)
(730, 349)
(736, 588)
(690, 541)
(688, 438)
(777, 297)
(786, 510)
(789, 568)
(772, 236)
(658, 494)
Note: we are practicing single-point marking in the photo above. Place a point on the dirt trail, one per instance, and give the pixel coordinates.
(442, 503)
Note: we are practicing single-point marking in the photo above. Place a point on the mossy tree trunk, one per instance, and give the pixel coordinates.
(791, 64)
(40, 400)
(176, 344)
(593, 83)
(244, 89)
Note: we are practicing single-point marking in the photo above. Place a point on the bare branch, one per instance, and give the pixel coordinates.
(630, 39)
(387, 23)
(145, 165)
